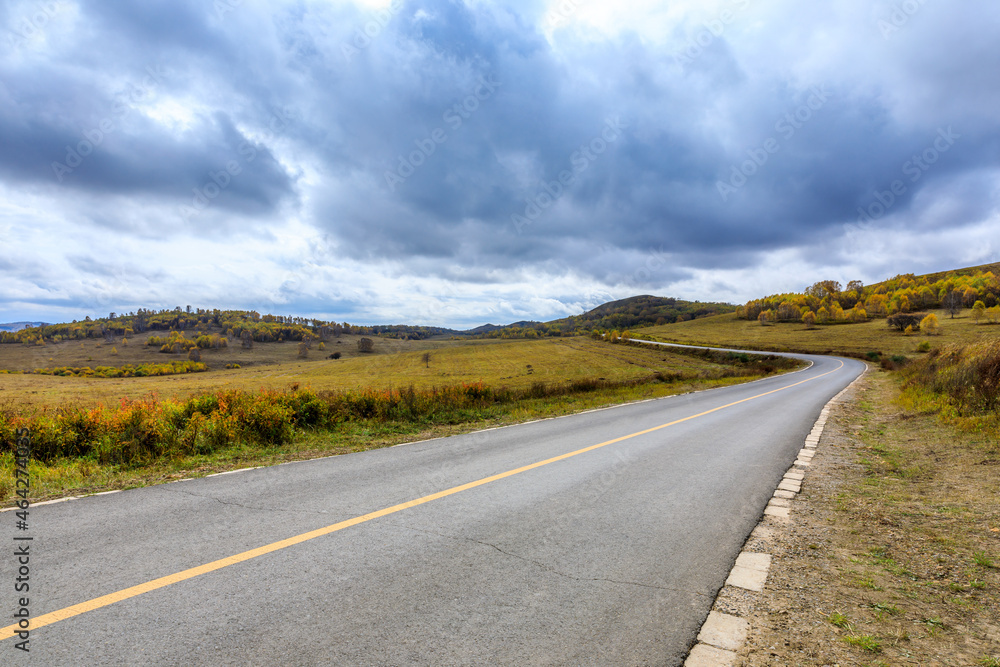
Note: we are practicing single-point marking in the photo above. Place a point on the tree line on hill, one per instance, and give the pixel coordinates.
(251, 326)
(235, 324)
(624, 314)
(827, 302)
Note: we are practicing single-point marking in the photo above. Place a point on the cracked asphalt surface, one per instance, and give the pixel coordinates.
(613, 556)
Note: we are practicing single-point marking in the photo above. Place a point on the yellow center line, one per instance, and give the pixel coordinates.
(133, 591)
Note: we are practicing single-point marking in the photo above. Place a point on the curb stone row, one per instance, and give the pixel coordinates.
(723, 634)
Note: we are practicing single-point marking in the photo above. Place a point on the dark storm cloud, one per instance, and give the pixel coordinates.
(461, 141)
(160, 24)
(782, 164)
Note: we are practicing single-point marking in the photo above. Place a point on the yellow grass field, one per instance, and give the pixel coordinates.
(514, 363)
(874, 335)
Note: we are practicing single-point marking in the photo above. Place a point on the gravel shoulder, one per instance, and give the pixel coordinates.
(891, 552)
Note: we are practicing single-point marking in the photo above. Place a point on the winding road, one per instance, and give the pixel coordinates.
(598, 538)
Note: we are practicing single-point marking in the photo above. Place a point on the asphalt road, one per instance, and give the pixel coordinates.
(607, 556)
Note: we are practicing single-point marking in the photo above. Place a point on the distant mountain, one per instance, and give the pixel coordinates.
(630, 313)
(636, 311)
(643, 310)
(17, 326)
(486, 328)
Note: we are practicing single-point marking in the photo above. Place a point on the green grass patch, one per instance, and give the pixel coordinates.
(982, 560)
(839, 620)
(886, 608)
(864, 642)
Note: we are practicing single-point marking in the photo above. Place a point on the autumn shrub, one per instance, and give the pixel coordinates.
(137, 431)
(308, 408)
(586, 385)
(904, 321)
(211, 341)
(194, 436)
(128, 370)
(206, 404)
(175, 343)
(220, 432)
(969, 376)
(264, 418)
(477, 391)
(366, 404)
(537, 390)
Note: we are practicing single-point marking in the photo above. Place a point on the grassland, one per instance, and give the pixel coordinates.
(854, 339)
(93, 352)
(96, 434)
(515, 364)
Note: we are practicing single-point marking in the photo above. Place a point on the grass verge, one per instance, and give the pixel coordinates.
(892, 556)
(856, 339)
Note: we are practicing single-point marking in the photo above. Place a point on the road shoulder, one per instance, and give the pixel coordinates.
(888, 555)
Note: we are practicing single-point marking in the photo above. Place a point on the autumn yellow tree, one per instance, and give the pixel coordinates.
(809, 319)
(788, 311)
(929, 325)
(925, 297)
(875, 306)
(978, 311)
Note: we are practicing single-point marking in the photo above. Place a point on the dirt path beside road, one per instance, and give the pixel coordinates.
(891, 552)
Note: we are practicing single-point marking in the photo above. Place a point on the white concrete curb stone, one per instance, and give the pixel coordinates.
(723, 634)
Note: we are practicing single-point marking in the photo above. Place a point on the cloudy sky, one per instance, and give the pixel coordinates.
(456, 163)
